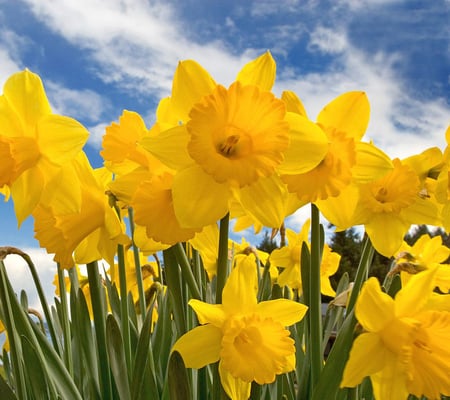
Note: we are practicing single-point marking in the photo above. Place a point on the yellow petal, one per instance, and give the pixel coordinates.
(413, 297)
(374, 309)
(386, 232)
(389, 383)
(25, 92)
(239, 293)
(200, 346)
(286, 312)
(190, 83)
(348, 113)
(293, 103)
(26, 192)
(198, 199)
(265, 200)
(170, 147)
(208, 313)
(367, 356)
(60, 138)
(260, 72)
(371, 163)
(307, 148)
(235, 388)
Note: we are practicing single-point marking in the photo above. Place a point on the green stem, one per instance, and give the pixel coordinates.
(137, 263)
(14, 342)
(67, 336)
(315, 299)
(222, 261)
(362, 272)
(43, 301)
(99, 311)
(186, 270)
(124, 318)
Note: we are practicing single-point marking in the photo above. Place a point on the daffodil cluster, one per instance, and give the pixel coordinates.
(217, 152)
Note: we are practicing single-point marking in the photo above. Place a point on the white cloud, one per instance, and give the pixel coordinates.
(134, 44)
(82, 104)
(327, 40)
(21, 278)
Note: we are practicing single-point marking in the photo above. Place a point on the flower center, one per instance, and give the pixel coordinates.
(239, 134)
(255, 348)
(395, 191)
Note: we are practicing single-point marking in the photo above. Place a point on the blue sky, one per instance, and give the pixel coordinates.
(98, 57)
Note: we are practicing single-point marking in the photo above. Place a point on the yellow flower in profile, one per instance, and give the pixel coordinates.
(249, 339)
(230, 144)
(288, 258)
(388, 206)
(427, 252)
(93, 233)
(404, 347)
(34, 143)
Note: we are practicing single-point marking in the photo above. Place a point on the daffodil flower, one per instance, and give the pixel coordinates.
(93, 233)
(35, 144)
(404, 347)
(249, 339)
(428, 252)
(230, 143)
(288, 258)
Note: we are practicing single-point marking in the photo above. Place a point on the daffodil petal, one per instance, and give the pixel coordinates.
(25, 92)
(414, 295)
(198, 199)
(307, 148)
(239, 293)
(367, 356)
(265, 200)
(293, 103)
(26, 192)
(386, 232)
(286, 312)
(208, 313)
(371, 163)
(260, 72)
(235, 388)
(200, 346)
(348, 113)
(374, 309)
(389, 383)
(190, 83)
(170, 147)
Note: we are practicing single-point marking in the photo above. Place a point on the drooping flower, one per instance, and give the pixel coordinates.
(249, 339)
(404, 347)
(347, 160)
(427, 252)
(388, 206)
(229, 143)
(288, 258)
(142, 182)
(92, 233)
(35, 144)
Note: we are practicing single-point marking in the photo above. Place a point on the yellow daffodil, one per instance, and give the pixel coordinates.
(428, 252)
(389, 205)
(93, 232)
(343, 121)
(229, 143)
(35, 144)
(443, 185)
(288, 258)
(404, 347)
(249, 339)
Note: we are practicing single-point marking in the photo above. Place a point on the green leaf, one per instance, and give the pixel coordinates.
(330, 379)
(114, 342)
(144, 380)
(36, 375)
(6, 392)
(177, 378)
